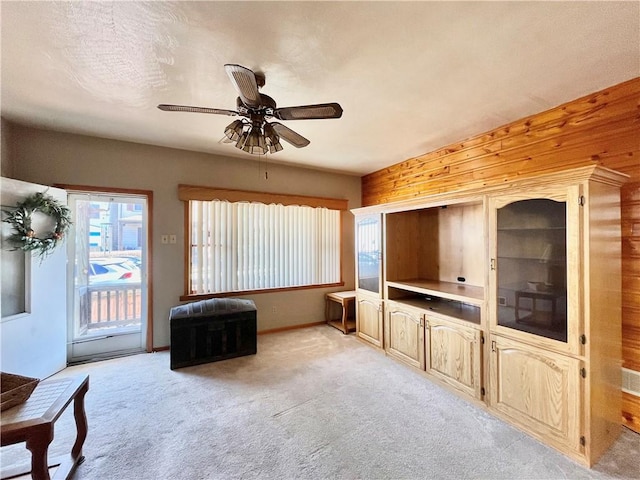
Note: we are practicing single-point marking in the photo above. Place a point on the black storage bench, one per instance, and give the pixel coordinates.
(212, 330)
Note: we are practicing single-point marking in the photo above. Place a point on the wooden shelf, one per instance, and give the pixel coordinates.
(444, 309)
(529, 229)
(351, 325)
(560, 261)
(452, 291)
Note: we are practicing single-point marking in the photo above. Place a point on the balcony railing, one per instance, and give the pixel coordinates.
(109, 306)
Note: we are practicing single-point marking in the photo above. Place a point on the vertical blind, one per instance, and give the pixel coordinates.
(238, 246)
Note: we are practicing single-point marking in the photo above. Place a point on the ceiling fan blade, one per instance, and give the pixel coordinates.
(244, 81)
(289, 135)
(309, 112)
(186, 108)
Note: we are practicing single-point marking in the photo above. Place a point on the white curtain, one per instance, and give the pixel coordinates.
(253, 246)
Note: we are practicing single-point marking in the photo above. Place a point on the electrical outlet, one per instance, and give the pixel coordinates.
(172, 239)
(164, 239)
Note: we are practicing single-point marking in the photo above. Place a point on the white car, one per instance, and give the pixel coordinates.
(113, 270)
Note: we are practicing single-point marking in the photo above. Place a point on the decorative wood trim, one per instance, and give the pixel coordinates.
(343, 214)
(204, 296)
(187, 252)
(149, 196)
(91, 189)
(149, 346)
(193, 192)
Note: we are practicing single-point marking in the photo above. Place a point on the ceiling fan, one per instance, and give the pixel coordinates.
(253, 133)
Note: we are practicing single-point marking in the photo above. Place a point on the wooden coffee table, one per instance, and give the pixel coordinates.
(33, 421)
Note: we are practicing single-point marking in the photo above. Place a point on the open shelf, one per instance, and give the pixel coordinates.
(555, 261)
(529, 229)
(437, 305)
(449, 290)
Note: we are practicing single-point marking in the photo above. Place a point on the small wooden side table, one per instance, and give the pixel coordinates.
(534, 295)
(346, 300)
(32, 422)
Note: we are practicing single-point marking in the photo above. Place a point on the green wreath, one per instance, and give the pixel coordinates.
(23, 237)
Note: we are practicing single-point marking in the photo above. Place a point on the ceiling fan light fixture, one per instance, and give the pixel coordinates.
(255, 142)
(275, 147)
(272, 139)
(234, 130)
(252, 133)
(242, 140)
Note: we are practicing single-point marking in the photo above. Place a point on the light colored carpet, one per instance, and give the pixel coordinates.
(312, 404)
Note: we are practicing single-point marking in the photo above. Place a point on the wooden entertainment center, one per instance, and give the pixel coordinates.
(509, 295)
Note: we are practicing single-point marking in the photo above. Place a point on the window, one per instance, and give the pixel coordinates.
(248, 241)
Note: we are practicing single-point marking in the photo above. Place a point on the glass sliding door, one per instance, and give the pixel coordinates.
(107, 251)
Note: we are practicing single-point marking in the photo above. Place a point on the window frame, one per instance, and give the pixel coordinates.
(187, 193)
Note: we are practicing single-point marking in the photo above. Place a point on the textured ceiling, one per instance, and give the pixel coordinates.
(410, 76)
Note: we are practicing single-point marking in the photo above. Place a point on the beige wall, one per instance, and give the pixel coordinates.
(6, 167)
(50, 157)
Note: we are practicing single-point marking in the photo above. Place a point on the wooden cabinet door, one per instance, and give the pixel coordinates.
(454, 355)
(535, 280)
(404, 335)
(369, 253)
(538, 390)
(369, 320)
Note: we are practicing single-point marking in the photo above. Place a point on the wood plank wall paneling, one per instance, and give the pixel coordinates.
(631, 411)
(602, 128)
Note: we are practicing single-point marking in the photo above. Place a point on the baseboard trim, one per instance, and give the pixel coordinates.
(291, 327)
(261, 332)
(105, 356)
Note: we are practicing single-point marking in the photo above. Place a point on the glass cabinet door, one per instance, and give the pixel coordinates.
(531, 267)
(368, 249)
